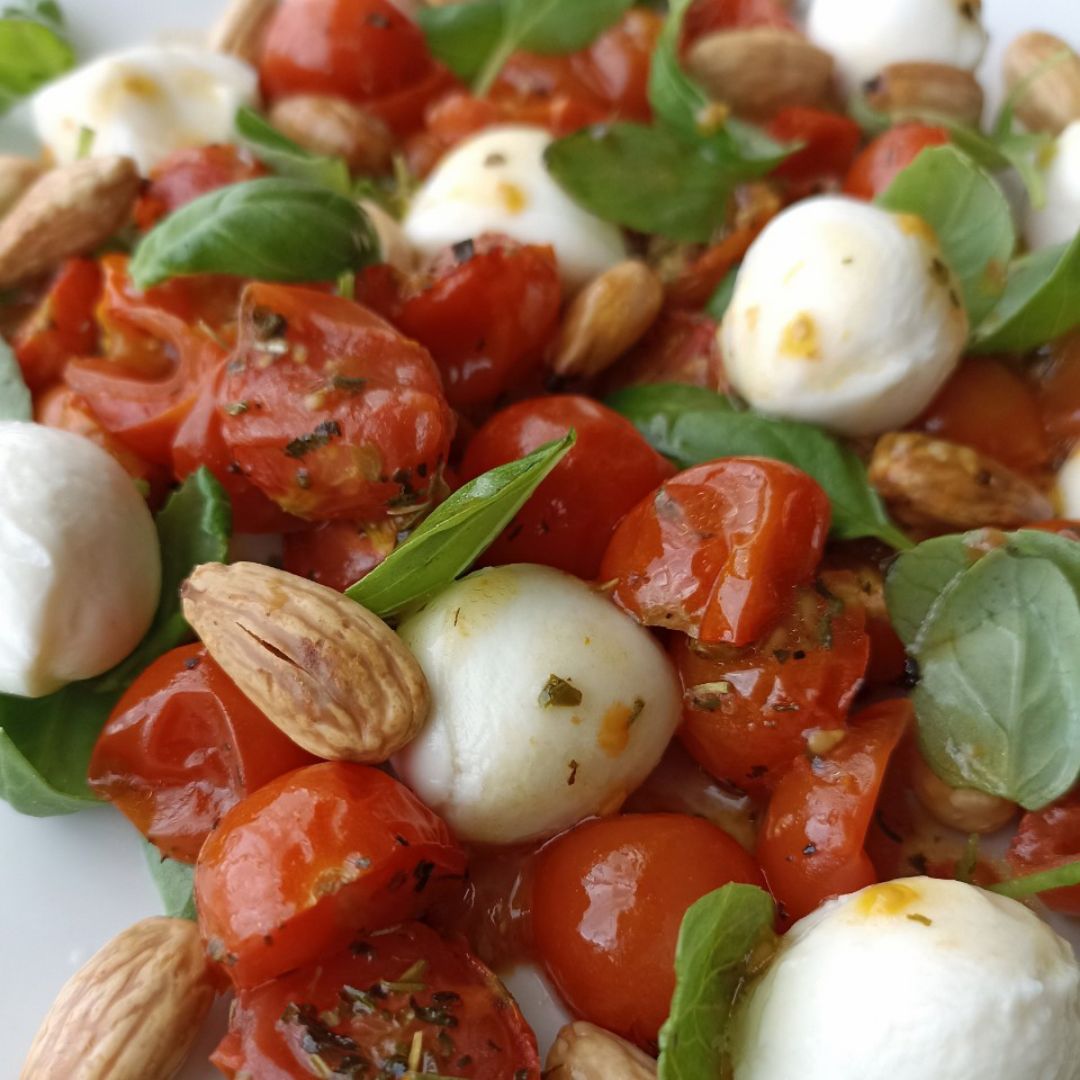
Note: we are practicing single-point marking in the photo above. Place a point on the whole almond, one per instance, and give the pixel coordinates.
(16, 175)
(336, 128)
(582, 1051)
(906, 88)
(68, 211)
(964, 809)
(131, 1012)
(330, 674)
(242, 27)
(1051, 101)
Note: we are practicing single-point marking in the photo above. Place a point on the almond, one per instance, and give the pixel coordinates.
(330, 674)
(964, 809)
(1051, 101)
(242, 27)
(906, 88)
(68, 211)
(16, 175)
(582, 1051)
(131, 1012)
(335, 127)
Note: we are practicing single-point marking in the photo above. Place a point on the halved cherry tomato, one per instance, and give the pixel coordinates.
(361, 1011)
(608, 899)
(830, 140)
(811, 844)
(707, 16)
(313, 859)
(748, 713)
(182, 747)
(877, 166)
(328, 410)
(338, 554)
(719, 550)
(1046, 839)
(682, 347)
(616, 65)
(569, 520)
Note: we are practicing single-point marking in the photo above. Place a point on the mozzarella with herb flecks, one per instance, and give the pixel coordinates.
(1058, 220)
(1067, 487)
(843, 315)
(548, 704)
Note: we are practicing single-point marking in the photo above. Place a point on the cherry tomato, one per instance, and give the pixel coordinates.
(328, 410)
(811, 844)
(831, 143)
(403, 112)
(1046, 839)
(707, 16)
(365, 1009)
(1059, 393)
(616, 65)
(313, 859)
(719, 549)
(1069, 529)
(682, 347)
(182, 747)
(608, 899)
(748, 713)
(699, 280)
(338, 554)
(876, 167)
(569, 520)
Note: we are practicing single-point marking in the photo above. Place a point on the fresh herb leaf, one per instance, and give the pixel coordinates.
(15, 402)
(720, 300)
(33, 49)
(270, 229)
(1020, 888)
(692, 425)
(463, 35)
(718, 936)
(458, 531)
(175, 882)
(677, 100)
(559, 693)
(287, 158)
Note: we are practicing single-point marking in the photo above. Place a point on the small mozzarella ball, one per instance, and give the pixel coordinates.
(497, 182)
(1067, 488)
(866, 36)
(1058, 221)
(843, 315)
(144, 103)
(917, 979)
(80, 565)
(496, 761)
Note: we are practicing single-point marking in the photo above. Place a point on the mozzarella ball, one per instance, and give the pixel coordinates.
(548, 704)
(497, 182)
(144, 103)
(1067, 487)
(917, 979)
(843, 315)
(866, 36)
(1058, 221)
(80, 565)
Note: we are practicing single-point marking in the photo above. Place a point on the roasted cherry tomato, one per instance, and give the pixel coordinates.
(682, 347)
(718, 550)
(608, 899)
(616, 65)
(811, 844)
(877, 166)
(569, 520)
(748, 713)
(311, 860)
(696, 284)
(182, 747)
(328, 410)
(707, 16)
(1046, 839)
(338, 554)
(830, 140)
(401, 1003)
(1059, 392)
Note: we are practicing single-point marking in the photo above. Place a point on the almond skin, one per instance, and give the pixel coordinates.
(904, 88)
(334, 127)
(583, 1051)
(16, 175)
(1052, 100)
(242, 27)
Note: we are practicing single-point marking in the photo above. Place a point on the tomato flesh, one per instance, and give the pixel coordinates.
(830, 143)
(888, 155)
(1046, 839)
(338, 554)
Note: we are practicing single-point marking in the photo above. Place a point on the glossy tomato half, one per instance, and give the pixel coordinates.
(1046, 839)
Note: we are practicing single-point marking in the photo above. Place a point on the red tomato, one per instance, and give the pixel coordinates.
(365, 1009)
(719, 549)
(569, 520)
(876, 167)
(608, 899)
(682, 347)
(182, 747)
(311, 860)
(616, 65)
(403, 112)
(1059, 393)
(748, 713)
(338, 554)
(1046, 839)
(811, 844)
(699, 280)
(707, 16)
(831, 143)
(328, 410)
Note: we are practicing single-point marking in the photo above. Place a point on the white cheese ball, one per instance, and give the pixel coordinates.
(1067, 487)
(80, 566)
(495, 762)
(917, 979)
(843, 315)
(497, 182)
(144, 103)
(1058, 221)
(866, 36)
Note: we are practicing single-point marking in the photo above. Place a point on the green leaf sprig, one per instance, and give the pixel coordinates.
(287, 158)
(1020, 888)
(175, 882)
(33, 48)
(15, 401)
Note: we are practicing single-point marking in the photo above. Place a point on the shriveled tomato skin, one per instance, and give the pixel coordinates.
(1046, 839)
(336, 1008)
(889, 154)
(311, 860)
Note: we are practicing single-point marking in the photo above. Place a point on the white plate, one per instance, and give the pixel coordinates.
(69, 884)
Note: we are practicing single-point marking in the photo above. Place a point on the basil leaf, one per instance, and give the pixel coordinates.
(717, 937)
(456, 533)
(720, 300)
(463, 35)
(175, 883)
(1020, 888)
(692, 425)
(33, 49)
(271, 229)
(287, 158)
(677, 100)
(970, 215)
(15, 401)
(45, 743)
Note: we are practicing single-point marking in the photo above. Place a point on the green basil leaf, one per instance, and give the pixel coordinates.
(1020, 888)
(175, 883)
(970, 215)
(720, 300)
(287, 158)
(33, 49)
(451, 538)
(677, 100)
(271, 229)
(463, 35)
(692, 425)
(15, 401)
(717, 937)
(45, 743)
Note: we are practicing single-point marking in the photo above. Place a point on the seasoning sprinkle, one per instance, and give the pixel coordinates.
(559, 693)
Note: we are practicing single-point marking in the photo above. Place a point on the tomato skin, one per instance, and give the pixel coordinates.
(1059, 393)
(616, 65)
(311, 860)
(831, 143)
(569, 520)
(1046, 839)
(682, 347)
(338, 554)
(800, 680)
(877, 166)
(357, 427)
(708, 16)
(718, 550)
(182, 747)
(811, 844)
(608, 899)
(487, 1038)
